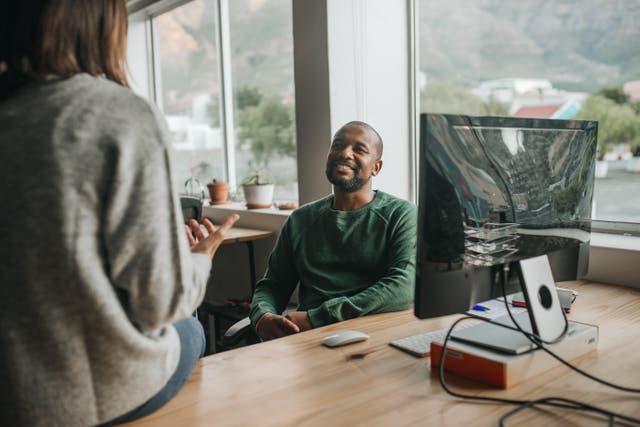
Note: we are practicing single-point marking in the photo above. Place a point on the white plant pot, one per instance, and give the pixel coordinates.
(258, 196)
(602, 168)
(633, 165)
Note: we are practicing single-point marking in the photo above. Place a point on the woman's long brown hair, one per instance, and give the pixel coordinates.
(39, 38)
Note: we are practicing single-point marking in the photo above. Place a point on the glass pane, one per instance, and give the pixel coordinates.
(263, 87)
(189, 85)
(568, 59)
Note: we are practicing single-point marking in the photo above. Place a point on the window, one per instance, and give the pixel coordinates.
(262, 68)
(188, 90)
(570, 59)
(223, 77)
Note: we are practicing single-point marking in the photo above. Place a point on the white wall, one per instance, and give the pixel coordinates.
(352, 63)
(614, 259)
(313, 112)
(369, 79)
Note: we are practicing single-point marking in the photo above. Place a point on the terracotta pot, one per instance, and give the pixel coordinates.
(218, 191)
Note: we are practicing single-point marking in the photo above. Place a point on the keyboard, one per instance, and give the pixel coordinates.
(420, 345)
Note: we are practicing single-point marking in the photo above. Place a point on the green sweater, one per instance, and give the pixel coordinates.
(348, 263)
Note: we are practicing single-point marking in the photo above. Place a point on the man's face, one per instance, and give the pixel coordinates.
(353, 158)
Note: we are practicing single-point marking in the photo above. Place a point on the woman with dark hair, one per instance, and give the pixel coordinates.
(97, 281)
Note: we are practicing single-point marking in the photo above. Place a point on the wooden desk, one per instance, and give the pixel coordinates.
(297, 381)
(238, 235)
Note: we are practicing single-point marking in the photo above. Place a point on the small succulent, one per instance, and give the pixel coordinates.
(258, 177)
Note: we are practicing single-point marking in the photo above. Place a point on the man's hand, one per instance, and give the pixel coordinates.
(208, 243)
(271, 326)
(301, 319)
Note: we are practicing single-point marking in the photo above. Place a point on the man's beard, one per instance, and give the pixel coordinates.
(346, 185)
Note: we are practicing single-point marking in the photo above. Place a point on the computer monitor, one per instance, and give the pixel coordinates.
(494, 191)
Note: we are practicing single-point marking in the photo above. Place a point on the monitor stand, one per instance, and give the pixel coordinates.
(545, 311)
(544, 317)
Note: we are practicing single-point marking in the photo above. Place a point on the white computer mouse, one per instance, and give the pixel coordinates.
(344, 337)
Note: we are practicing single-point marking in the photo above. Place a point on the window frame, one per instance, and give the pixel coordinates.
(221, 13)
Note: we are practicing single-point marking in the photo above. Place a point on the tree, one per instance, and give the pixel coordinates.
(616, 123)
(493, 107)
(447, 97)
(247, 97)
(267, 129)
(614, 93)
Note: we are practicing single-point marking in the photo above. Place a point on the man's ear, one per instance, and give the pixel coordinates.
(376, 167)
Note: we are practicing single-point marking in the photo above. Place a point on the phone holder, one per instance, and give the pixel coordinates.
(539, 289)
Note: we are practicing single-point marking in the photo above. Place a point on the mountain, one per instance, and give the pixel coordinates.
(262, 45)
(577, 45)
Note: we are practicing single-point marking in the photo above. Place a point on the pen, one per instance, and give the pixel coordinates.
(479, 307)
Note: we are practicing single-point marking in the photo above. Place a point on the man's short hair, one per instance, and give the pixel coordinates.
(368, 127)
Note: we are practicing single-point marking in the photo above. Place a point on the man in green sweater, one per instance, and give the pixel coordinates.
(353, 252)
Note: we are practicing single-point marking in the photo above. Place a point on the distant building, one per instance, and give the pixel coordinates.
(507, 90)
(566, 110)
(535, 98)
(537, 111)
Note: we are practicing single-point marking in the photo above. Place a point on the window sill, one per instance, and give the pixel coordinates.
(615, 241)
(614, 259)
(263, 219)
(240, 207)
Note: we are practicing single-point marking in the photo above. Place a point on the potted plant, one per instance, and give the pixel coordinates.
(602, 167)
(633, 164)
(219, 192)
(258, 189)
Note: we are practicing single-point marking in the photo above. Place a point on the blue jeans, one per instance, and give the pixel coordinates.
(192, 347)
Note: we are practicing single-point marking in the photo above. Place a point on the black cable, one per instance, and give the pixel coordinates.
(522, 404)
(534, 339)
(547, 401)
(561, 402)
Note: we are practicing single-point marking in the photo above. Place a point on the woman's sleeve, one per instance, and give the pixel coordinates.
(150, 262)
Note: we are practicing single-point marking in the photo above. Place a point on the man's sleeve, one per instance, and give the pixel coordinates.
(274, 290)
(393, 292)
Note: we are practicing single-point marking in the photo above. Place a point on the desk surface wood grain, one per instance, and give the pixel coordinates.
(297, 381)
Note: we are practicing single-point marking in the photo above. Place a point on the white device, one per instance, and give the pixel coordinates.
(545, 311)
(344, 337)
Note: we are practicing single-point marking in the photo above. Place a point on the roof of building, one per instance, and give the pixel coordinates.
(537, 111)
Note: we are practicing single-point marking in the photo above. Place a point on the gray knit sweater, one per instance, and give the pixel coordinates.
(94, 266)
